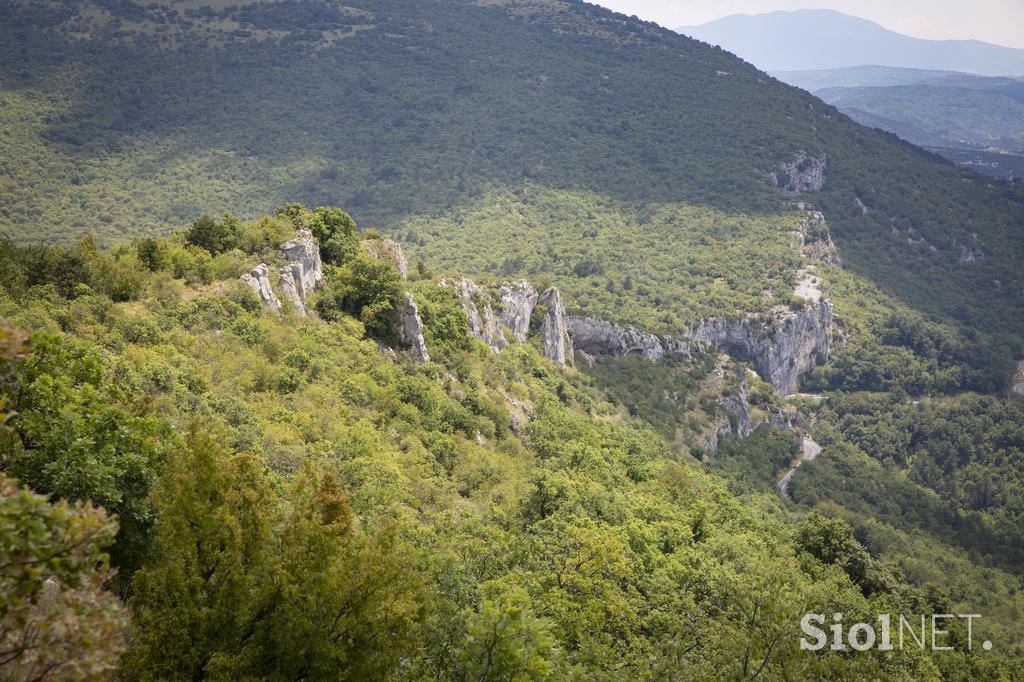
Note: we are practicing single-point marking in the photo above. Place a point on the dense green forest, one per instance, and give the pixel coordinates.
(412, 113)
(195, 484)
(284, 500)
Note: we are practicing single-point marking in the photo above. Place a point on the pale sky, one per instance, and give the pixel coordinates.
(994, 21)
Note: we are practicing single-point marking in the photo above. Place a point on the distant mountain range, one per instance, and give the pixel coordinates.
(825, 39)
(952, 97)
(973, 120)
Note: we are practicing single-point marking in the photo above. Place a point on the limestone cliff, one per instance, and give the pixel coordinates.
(289, 283)
(782, 347)
(388, 251)
(304, 251)
(476, 303)
(518, 299)
(598, 339)
(410, 330)
(510, 307)
(259, 280)
(737, 417)
(801, 175)
(554, 333)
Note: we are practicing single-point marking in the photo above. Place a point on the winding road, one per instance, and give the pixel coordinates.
(810, 451)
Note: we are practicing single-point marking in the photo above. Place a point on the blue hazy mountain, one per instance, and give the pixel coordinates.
(867, 76)
(825, 39)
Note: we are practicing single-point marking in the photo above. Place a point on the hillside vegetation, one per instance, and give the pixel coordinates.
(229, 479)
(293, 501)
(405, 112)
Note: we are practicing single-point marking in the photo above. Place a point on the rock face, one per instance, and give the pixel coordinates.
(303, 273)
(259, 280)
(304, 251)
(598, 339)
(476, 303)
(515, 303)
(554, 332)
(290, 284)
(782, 350)
(410, 330)
(738, 420)
(518, 299)
(816, 240)
(801, 175)
(389, 251)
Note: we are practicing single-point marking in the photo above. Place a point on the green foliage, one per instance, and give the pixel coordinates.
(946, 469)
(478, 514)
(645, 131)
(242, 584)
(719, 263)
(73, 272)
(831, 541)
(908, 354)
(444, 320)
(757, 462)
(56, 620)
(336, 232)
(215, 237)
(73, 437)
(367, 288)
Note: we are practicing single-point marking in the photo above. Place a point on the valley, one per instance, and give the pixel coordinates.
(492, 340)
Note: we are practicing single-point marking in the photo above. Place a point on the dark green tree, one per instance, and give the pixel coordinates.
(367, 288)
(216, 237)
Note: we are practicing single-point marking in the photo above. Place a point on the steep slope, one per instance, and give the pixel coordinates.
(826, 39)
(406, 113)
(947, 112)
(935, 115)
(324, 506)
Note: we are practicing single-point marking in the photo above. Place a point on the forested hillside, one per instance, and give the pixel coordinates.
(251, 441)
(400, 110)
(291, 501)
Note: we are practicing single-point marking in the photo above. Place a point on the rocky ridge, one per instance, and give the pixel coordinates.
(516, 303)
(302, 255)
(782, 347)
(410, 330)
(259, 279)
(302, 274)
(738, 419)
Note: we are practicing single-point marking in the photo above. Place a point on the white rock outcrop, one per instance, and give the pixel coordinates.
(515, 303)
(410, 330)
(259, 280)
(782, 348)
(801, 175)
(476, 303)
(599, 339)
(290, 284)
(554, 332)
(738, 420)
(304, 272)
(518, 299)
(305, 251)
